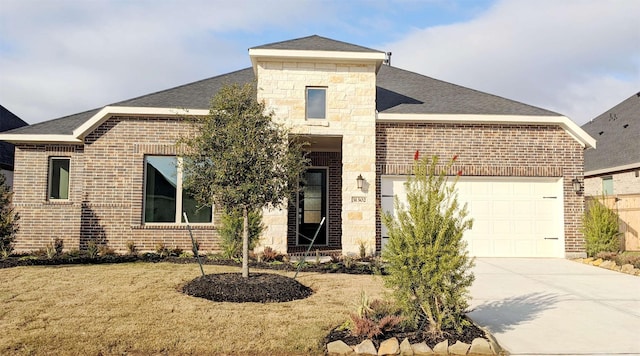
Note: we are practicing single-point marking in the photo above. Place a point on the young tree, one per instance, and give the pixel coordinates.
(241, 159)
(8, 219)
(428, 265)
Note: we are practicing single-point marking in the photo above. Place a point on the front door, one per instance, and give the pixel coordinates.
(312, 207)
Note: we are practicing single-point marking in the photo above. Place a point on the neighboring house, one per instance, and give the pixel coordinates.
(613, 169)
(110, 173)
(8, 121)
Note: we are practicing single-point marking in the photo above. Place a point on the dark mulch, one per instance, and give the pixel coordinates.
(467, 335)
(258, 288)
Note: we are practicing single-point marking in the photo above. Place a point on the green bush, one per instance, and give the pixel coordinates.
(8, 219)
(231, 232)
(429, 270)
(600, 228)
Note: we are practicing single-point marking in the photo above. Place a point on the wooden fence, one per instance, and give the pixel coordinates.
(628, 209)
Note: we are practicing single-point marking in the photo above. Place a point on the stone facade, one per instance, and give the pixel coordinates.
(350, 115)
(500, 150)
(106, 190)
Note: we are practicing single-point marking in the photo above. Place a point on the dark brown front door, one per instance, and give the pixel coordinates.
(312, 207)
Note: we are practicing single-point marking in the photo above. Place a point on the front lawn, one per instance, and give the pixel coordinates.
(137, 308)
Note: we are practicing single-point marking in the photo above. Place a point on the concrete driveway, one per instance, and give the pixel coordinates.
(557, 307)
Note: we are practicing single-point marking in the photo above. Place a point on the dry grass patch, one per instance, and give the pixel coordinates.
(137, 308)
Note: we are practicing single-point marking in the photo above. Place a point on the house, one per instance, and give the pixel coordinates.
(110, 173)
(8, 121)
(614, 168)
(612, 172)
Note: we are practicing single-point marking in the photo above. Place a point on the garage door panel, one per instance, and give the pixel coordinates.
(520, 217)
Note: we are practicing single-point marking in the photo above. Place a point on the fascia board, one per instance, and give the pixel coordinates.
(575, 131)
(612, 170)
(110, 111)
(78, 135)
(41, 138)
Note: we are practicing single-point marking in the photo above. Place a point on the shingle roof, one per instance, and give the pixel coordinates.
(316, 43)
(618, 133)
(8, 121)
(404, 92)
(398, 92)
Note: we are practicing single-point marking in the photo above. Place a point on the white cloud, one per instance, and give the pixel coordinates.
(576, 57)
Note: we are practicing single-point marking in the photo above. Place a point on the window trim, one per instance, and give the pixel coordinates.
(50, 179)
(306, 102)
(178, 216)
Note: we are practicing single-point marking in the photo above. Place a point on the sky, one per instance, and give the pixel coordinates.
(61, 57)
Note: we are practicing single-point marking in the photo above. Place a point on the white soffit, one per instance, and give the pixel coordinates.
(569, 126)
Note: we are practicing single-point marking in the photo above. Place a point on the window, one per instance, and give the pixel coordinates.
(316, 103)
(59, 178)
(164, 197)
(607, 185)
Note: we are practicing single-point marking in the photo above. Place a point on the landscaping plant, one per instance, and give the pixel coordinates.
(429, 270)
(231, 231)
(8, 219)
(238, 158)
(600, 228)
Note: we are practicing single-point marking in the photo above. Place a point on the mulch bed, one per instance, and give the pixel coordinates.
(467, 335)
(258, 288)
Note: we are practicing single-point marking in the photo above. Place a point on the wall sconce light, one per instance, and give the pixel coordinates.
(360, 181)
(577, 186)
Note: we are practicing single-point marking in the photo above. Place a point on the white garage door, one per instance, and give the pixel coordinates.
(512, 217)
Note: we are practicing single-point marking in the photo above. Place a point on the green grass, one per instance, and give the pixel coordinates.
(137, 308)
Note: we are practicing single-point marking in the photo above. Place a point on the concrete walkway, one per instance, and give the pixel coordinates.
(557, 307)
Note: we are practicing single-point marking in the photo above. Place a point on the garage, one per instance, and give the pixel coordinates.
(513, 216)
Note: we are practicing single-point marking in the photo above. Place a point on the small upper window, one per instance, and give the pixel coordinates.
(59, 178)
(316, 103)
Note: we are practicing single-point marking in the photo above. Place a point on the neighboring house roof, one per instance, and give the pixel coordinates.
(399, 93)
(8, 121)
(618, 133)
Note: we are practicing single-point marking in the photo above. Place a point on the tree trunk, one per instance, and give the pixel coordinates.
(245, 242)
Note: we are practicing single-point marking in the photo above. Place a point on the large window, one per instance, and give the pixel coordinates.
(59, 178)
(316, 103)
(164, 197)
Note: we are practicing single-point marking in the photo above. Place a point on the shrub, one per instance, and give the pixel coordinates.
(374, 317)
(632, 258)
(428, 267)
(231, 232)
(162, 250)
(271, 255)
(105, 250)
(600, 228)
(92, 249)
(131, 248)
(8, 219)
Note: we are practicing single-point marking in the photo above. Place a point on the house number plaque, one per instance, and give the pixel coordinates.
(358, 199)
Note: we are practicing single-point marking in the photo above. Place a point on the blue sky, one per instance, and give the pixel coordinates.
(60, 57)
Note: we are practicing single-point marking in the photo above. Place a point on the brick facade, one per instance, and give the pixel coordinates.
(504, 150)
(106, 189)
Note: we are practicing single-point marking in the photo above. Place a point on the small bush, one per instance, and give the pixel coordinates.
(162, 250)
(131, 248)
(600, 228)
(628, 258)
(374, 317)
(92, 249)
(8, 219)
(105, 250)
(271, 255)
(231, 232)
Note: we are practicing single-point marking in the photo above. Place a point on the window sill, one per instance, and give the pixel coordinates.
(317, 122)
(58, 202)
(173, 227)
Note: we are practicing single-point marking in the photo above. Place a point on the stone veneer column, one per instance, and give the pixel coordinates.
(351, 95)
